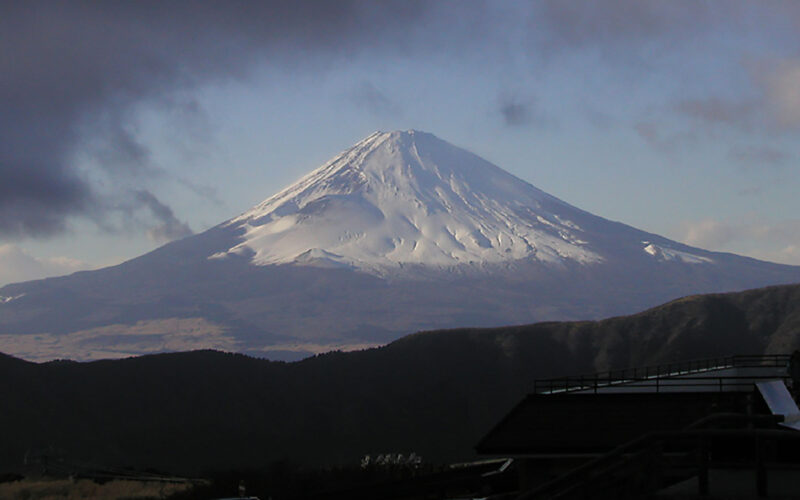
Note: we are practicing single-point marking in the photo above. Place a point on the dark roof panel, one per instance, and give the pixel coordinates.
(590, 423)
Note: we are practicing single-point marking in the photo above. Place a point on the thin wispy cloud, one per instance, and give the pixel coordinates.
(718, 111)
(18, 265)
(782, 92)
(621, 29)
(779, 240)
(369, 97)
(664, 139)
(758, 156)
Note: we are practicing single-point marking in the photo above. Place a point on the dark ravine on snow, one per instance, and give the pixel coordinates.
(434, 393)
(400, 233)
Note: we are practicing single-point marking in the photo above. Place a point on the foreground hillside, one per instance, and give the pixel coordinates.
(434, 393)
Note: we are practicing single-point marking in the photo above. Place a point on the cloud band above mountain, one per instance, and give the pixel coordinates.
(68, 66)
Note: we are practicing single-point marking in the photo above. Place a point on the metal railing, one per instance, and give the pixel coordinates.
(643, 458)
(651, 376)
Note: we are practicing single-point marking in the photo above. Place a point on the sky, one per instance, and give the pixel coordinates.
(125, 125)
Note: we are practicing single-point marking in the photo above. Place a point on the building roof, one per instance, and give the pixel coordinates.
(545, 424)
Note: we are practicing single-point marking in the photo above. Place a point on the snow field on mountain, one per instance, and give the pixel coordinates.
(409, 198)
(669, 254)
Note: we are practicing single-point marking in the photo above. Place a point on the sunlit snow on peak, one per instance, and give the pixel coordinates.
(410, 198)
(669, 254)
(7, 299)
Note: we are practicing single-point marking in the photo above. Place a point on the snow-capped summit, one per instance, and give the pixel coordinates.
(410, 198)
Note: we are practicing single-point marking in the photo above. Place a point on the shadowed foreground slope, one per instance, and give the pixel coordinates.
(434, 393)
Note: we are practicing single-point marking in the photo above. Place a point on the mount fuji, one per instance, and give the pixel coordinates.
(408, 198)
(399, 233)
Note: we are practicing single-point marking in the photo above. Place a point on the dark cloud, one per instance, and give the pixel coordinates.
(517, 111)
(76, 69)
(168, 227)
(73, 73)
(516, 114)
(708, 116)
(774, 106)
(648, 35)
(610, 25)
(115, 147)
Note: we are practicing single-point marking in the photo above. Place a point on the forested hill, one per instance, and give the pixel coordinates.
(434, 393)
